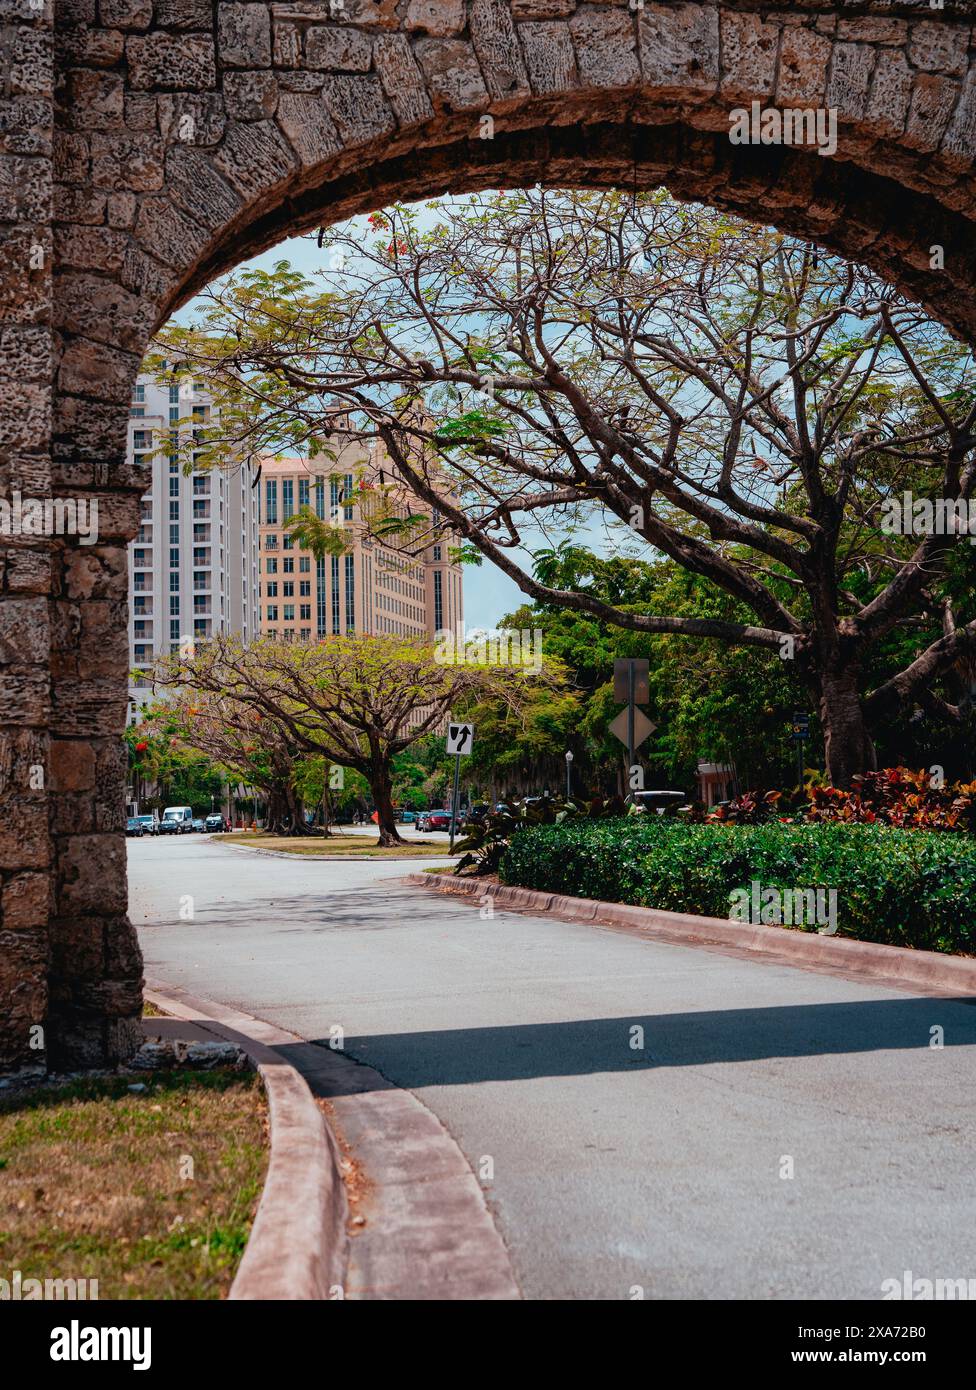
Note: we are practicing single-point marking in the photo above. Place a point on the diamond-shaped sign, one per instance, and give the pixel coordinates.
(643, 727)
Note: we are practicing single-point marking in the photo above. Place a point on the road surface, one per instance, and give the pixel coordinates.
(653, 1117)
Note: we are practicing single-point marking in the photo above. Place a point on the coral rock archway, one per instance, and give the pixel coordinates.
(149, 144)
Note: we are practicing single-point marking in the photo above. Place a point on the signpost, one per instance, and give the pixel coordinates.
(460, 738)
(631, 685)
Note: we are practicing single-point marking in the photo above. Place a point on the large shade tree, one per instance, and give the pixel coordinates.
(356, 700)
(715, 392)
(256, 748)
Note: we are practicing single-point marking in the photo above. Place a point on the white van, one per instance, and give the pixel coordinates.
(177, 820)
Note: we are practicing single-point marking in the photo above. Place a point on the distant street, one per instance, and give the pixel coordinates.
(662, 1166)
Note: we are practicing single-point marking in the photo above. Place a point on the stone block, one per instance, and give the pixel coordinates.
(401, 78)
(244, 35)
(606, 48)
(453, 76)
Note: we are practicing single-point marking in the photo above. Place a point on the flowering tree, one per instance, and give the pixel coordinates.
(356, 700)
(707, 390)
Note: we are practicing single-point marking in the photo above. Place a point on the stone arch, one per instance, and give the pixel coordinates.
(150, 144)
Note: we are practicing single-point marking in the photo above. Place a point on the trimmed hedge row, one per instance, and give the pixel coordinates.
(899, 887)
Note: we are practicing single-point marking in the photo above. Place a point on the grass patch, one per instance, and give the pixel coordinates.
(338, 846)
(150, 1011)
(152, 1193)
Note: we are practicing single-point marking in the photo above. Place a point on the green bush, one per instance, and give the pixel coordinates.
(900, 887)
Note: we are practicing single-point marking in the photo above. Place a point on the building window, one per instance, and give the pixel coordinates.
(347, 510)
(306, 612)
(438, 600)
(201, 555)
(174, 630)
(289, 588)
(271, 502)
(335, 593)
(174, 581)
(288, 564)
(302, 493)
(271, 566)
(350, 593)
(320, 498)
(289, 612)
(320, 613)
(287, 499)
(305, 589)
(271, 589)
(437, 552)
(271, 612)
(174, 605)
(174, 535)
(304, 564)
(271, 542)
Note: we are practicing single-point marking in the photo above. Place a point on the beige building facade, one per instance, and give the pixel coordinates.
(397, 585)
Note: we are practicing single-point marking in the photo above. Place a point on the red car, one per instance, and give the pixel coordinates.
(435, 820)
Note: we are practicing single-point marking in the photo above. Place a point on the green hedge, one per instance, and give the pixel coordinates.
(901, 887)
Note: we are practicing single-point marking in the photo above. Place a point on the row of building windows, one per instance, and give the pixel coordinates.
(338, 500)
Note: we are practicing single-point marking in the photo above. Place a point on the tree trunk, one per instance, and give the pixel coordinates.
(847, 744)
(382, 789)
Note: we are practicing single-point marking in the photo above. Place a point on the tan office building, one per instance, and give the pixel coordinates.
(374, 587)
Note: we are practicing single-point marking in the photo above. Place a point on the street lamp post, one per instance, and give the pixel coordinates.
(569, 774)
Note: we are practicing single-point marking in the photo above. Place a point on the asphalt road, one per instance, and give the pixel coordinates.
(663, 1165)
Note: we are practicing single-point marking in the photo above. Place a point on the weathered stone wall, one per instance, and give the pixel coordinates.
(187, 134)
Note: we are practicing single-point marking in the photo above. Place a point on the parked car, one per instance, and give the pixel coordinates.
(133, 826)
(150, 824)
(663, 803)
(198, 824)
(180, 818)
(407, 817)
(435, 820)
(215, 822)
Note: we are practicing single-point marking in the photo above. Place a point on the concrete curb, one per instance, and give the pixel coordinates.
(895, 964)
(298, 1247)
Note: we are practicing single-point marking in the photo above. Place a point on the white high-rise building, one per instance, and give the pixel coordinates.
(193, 567)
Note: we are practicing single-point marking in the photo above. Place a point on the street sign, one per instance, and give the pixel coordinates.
(800, 726)
(623, 667)
(460, 737)
(643, 727)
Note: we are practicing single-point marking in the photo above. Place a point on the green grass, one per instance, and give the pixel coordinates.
(152, 1194)
(339, 846)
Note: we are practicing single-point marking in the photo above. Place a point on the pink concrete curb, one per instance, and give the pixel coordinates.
(298, 1246)
(928, 969)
